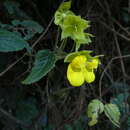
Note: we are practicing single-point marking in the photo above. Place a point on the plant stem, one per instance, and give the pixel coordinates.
(57, 38)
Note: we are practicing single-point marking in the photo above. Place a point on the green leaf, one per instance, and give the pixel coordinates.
(30, 28)
(121, 101)
(71, 56)
(12, 8)
(10, 41)
(113, 113)
(94, 108)
(29, 25)
(44, 62)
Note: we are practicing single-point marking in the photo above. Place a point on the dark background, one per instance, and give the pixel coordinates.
(52, 104)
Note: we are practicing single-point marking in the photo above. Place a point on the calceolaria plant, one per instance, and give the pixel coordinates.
(81, 64)
(81, 69)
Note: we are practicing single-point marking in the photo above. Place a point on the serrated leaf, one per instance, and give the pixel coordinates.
(94, 108)
(29, 24)
(10, 41)
(113, 113)
(30, 28)
(44, 62)
(71, 56)
(121, 101)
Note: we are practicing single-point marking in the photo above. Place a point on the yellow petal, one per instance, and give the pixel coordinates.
(88, 75)
(76, 78)
(93, 64)
(78, 62)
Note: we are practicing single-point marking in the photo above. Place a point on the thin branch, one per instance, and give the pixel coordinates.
(43, 34)
(9, 116)
(34, 44)
(13, 64)
(102, 75)
(117, 33)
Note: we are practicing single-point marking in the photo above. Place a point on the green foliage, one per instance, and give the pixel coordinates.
(24, 28)
(44, 62)
(61, 106)
(13, 10)
(128, 123)
(126, 15)
(26, 110)
(80, 124)
(30, 26)
(9, 42)
(113, 113)
(95, 107)
(68, 127)
(121, 101)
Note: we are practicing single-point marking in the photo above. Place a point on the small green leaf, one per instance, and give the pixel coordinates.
(121, 101)
(95, 108)
(71, 56)
(113, 113)
(10, 41)
(44, 62)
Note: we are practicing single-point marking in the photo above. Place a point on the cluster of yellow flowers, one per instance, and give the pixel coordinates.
(81, 70)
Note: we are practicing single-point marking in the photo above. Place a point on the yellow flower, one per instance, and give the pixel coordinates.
(81, 69)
